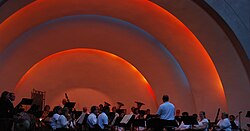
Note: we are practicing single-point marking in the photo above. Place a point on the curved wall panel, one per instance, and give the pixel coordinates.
(123, 39)
(66, 71)
(172, 34)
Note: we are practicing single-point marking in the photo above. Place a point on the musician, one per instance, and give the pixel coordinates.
(6, 112)
(62, 122)
(113, 116)
(182, 126)
(224, 123)
(147, 115)
(57, 110)
(102, 120)
(178, 116)
(100, 108)
(137, 126)
(13, 111)
(234, 123)
(166, 110)
(46, 111)
(118, 127)
(23, 119)
(92, 120)
(203, 122)
(132, 110)
(136, 113)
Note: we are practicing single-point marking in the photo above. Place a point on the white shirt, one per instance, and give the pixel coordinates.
(183, 126)
(81, 118)
(203, 122)
(102, 120)
(54, 119)
(62, 122)
(166, 111)
(92, 120)
(224, 124)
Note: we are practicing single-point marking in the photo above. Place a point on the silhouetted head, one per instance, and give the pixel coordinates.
(231, 117)
(84, 109)
(165, 98)
(12, 96)
(184, 114)
(46, 108)
(57, 110)
(5, 95)
(94, 109)
(224, 115)
(106, 109)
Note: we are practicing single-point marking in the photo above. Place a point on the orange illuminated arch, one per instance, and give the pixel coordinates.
(89, 51)
(175, 36)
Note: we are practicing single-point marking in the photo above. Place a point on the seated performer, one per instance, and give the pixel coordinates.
(147, 115)
(178, 116)
(57, 110)
(182, 126)
(224, 123)
(234, 123)
(102, 120)
(203, 122)
(92, 120)
(113, 115)
(62, 122)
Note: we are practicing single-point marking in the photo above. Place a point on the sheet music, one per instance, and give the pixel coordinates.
(126, 118)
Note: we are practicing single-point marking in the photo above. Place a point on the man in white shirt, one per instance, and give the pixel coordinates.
(102, 120)
(166, 110)
(92, 118)
(224, 123)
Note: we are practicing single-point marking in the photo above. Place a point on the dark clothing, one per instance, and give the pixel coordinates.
(7, 108)
(178, 118)
(6, 114)
(233, 125)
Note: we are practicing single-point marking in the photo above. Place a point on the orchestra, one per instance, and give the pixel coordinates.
(65, 118)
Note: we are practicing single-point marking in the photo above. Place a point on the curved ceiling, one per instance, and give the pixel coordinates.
(171, 33)
(93, 70)
(159, 63)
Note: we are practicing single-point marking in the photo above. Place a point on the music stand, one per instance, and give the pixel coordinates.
(189, 120)
(153, 122)
(77, 114)
(138, 123)
(70, 105)
(26, 101)
(117, 123)
(127, 121)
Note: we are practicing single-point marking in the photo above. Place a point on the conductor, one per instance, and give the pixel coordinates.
(166, 110)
